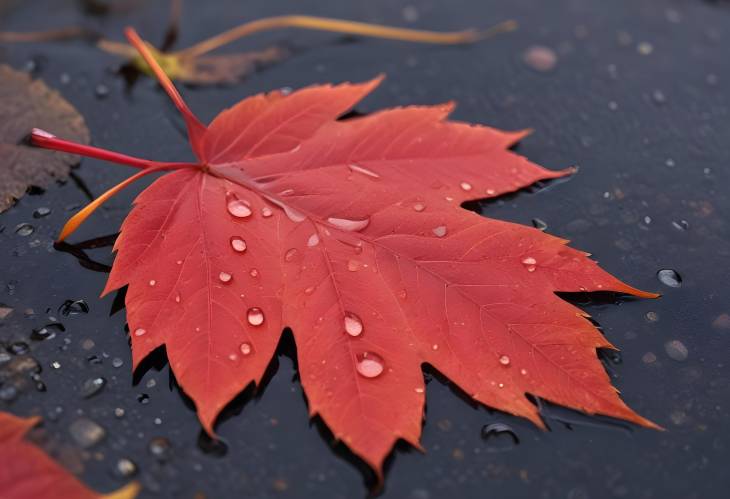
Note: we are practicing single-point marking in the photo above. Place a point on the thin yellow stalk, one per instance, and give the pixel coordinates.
(341, 26)
(75, 221)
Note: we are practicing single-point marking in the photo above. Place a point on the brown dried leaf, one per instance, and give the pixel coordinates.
(25, 103)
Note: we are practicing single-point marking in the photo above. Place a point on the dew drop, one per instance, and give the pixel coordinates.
(266, 212)
(439, 231)
(349, 225)
(364, 171)
(369, 365)
(254, 273)
(529, 261)
(419, 390)
(353, 324)
(225, 277)
(491, 192)
(233, 357)
(669, 277)
(139, 331)
(245, 348)
(291, 254)
(238, 244)
(419, 207)
(152, 282)
(177, 298)
(504, 360)
(237, 207)
(293, 214)
(434, 346)
(309, 290)
(466, 186)
(255, 316)
(313, 240)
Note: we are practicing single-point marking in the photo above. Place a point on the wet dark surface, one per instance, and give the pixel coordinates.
(638, 98)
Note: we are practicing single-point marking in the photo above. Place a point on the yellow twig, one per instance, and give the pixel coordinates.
(340, 26)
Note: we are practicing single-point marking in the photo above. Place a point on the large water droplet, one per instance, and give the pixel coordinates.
(245, 348)
(238, 244)
(255, 316)
(237, 207)
(364, 171)
(353, 324)
(669, 277)
(439, 231)
(349, 225)
(369, 365)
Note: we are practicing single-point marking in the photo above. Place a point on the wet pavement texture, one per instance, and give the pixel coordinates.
(634, 92)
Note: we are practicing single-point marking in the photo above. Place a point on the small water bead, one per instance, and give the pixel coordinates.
(253, 273)
(225, 277)
(434, 347)
(309, 290)
(504, 360)
(92, 387)
(255, 316)
(24, 229)
(439, 231)
(529, 261)
(466, 186)
(419, 390)
(349, 225)
(670, 278)
(266, 212)
(245, 348)
(238, 244)
(364, 171)
(491, 192)
(237, 207)
(233, 357)
(369, 365)
(177, 298)
(419, 207)
(139, 331)
(313, 240)
(152, 282)
(353, 324)
(41, 212)
(291, 254)
(293, 215)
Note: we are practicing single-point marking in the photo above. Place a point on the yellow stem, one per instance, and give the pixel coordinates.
(341, 26)
(75, 221)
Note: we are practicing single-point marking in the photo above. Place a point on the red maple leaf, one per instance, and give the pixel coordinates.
(352, 234)
(26, 472)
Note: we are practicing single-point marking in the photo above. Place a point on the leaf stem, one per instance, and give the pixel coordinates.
(195, 128)
(75, 221)
(342, 26)
(43, 139)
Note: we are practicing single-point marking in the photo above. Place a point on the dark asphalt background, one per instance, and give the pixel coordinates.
(638, 99)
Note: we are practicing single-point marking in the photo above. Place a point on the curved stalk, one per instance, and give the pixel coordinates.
(341, 26)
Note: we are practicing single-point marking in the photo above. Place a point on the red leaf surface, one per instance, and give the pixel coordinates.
(351, 233)
(26, 472)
